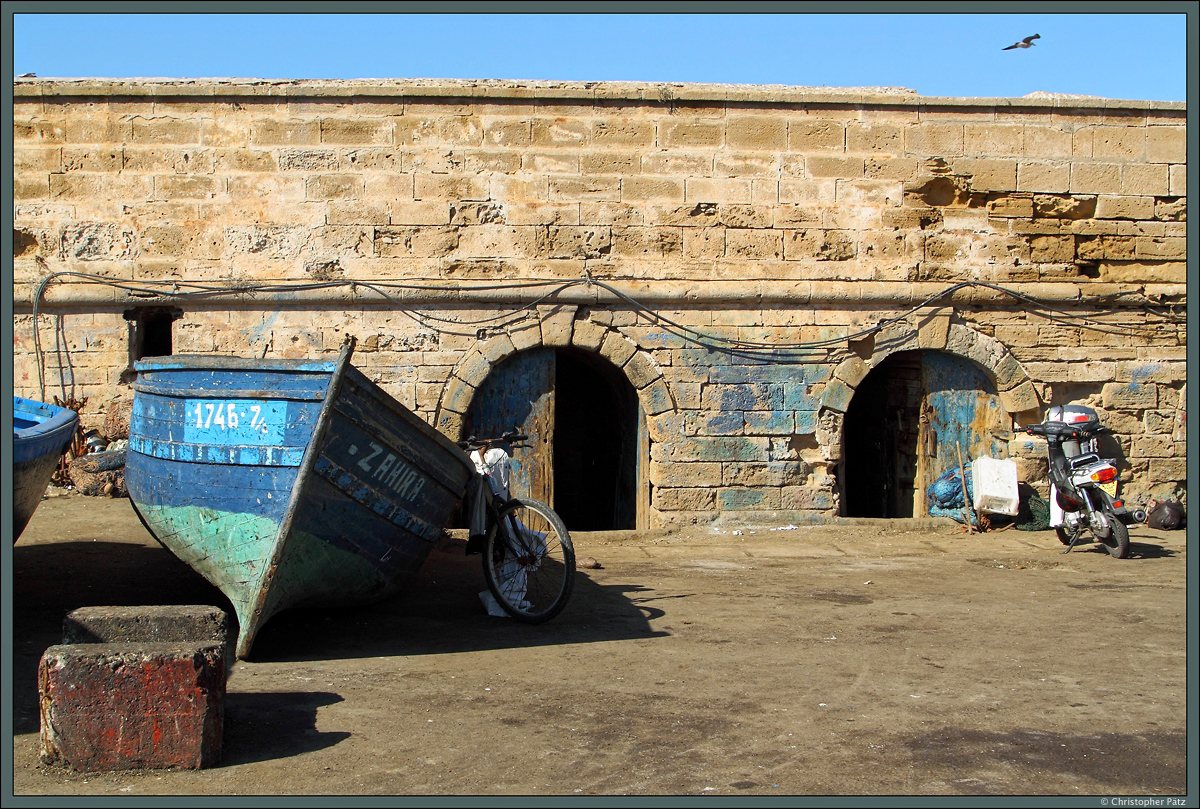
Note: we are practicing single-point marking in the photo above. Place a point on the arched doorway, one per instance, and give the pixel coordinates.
(583, 418)
(908, 422)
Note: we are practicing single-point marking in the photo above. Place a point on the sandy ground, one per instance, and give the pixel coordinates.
(863, 658)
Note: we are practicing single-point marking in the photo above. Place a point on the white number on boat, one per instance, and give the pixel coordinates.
(227, 416)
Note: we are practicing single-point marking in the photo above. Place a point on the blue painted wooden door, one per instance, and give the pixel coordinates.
(961, 411)
(520, 392)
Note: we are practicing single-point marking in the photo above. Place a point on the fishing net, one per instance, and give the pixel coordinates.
(1034, 514)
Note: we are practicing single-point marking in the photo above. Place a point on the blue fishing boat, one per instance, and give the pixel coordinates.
(287, 483)
(41, 434)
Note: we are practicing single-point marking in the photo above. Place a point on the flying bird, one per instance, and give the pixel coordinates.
(1027, 42)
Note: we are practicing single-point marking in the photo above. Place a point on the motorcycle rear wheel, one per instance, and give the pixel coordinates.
(1116, 539)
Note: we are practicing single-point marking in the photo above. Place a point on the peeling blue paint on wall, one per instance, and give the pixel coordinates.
(261, 334)
(800, 397)
(728, 423)
(1144, 373)
(769, 421)
(739, 499)
(805, 421)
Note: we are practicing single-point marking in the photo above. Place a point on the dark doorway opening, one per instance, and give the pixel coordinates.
(595, 441)
(880, 436)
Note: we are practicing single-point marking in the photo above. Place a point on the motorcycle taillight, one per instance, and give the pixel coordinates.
(1104, 475)
(1066, 502)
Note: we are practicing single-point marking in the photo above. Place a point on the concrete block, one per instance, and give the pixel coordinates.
(149, 624)
(125, 706)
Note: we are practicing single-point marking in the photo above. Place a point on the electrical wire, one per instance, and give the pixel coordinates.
(779, 352)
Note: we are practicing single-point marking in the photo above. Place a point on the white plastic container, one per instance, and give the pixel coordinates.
(994, 484)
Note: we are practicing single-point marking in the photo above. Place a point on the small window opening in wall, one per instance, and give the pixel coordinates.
(149, 333)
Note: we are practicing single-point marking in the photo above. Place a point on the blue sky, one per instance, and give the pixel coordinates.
(1115, 55)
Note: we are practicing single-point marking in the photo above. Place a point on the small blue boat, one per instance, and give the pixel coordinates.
(287, 483)
(41, 434)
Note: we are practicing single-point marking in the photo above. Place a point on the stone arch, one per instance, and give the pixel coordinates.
(1015, 388)
(556, 327)
(654, 416)
(1014, 392)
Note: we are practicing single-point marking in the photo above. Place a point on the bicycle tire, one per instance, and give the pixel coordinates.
(531, 573)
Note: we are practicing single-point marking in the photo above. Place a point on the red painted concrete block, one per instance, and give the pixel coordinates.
(124, 706)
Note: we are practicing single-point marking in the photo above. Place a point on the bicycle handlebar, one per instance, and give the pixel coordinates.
(512, 438)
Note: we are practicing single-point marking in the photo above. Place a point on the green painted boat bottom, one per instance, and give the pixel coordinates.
(231, 551)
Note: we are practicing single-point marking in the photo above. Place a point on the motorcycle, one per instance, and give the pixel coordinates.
(1083, 486)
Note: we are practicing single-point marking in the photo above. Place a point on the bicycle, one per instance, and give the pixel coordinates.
(528, 558)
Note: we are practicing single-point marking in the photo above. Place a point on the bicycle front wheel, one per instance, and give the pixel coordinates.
(529, 562)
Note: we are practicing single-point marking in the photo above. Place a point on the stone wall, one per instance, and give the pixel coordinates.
(744, 255)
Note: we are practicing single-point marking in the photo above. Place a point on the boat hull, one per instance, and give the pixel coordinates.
(317, 489)
(41, 433)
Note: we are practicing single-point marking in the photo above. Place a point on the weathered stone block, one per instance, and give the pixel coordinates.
(356, 131)
(1124, 142)
(652, 188)
(165, 130)
(431, 242)
(1095, 178)
(474, 369)
(691, 133)
(817, 244)
(647, 242)
(656, 398)
(526, 334)
(772, 422)
(753, 244)
(812, 498)
(725, 190)
(837, 395)
(840, 167)
(1124, 207)
(617, 349)
(1146, 180)
(1062, 206)
(684, 499)
(711, 423)
(761, 132)
(1129, 396)
(270, 132)
(573, 242)
(821, 135)
(1150, 247)
(123, 706)
(334, 186)
(588, 335)
(1167, 469)
(685, 475)
(1166, 144)
(704, 242)
(943, 140)
(1020, 398)
(1052, 248)
(641, 370)
(873, 137)
(992, 174)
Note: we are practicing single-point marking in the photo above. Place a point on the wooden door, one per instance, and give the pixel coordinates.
(520, 392)
(960, 412)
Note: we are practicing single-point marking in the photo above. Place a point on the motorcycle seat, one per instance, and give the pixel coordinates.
(1083, 460)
